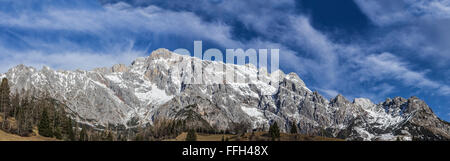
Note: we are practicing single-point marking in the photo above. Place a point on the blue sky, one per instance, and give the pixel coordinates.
(359, 48)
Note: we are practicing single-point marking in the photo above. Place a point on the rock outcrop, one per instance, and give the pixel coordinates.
(157, 87)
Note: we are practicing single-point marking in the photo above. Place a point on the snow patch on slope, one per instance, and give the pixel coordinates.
(364, 134)
(255, 114)
(364, 103)
(154, 96)
(114, 78)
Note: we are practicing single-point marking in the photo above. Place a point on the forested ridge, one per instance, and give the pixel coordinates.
(24, 114)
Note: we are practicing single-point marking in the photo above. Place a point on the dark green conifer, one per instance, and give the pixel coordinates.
(83, 134)
(294, 128)
(68, 129)
(44, 125)
(191, 136)
(5, 100)
(274, 131)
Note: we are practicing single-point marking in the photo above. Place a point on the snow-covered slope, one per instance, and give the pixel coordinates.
(159, 86)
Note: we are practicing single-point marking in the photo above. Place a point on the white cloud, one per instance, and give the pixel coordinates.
(420, 29)
(388, 66)
(332, 66)
(329, 93)
(65, 60)
(115, 28)
(323, 54)
(383, 12)
(387, 12)
(445, 90)
(118, 17)
(431, 8)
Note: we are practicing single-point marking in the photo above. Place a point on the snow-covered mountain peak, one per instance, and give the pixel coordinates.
(365, 103)
(339, 100)
(294, 77)
(162, 84)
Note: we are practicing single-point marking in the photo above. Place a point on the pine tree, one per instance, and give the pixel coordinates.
(44, 125)
(24, 117)
(83, 134)
(109, 137)
(20, 117)
(15, 105)
(191, 136)
(57, 132)
(68, 129)
(274, 131)
(5, 100)
(119, 137)
(139, 137)
(294, 128)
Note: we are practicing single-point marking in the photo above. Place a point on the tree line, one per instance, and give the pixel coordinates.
(24, 114)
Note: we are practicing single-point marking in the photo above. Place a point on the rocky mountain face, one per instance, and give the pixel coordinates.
(148, 89)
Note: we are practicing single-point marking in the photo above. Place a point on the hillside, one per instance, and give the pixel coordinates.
(257, 136)
(160, 87)
(11, 137)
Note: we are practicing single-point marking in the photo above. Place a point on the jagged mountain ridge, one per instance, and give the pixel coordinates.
(146, 90)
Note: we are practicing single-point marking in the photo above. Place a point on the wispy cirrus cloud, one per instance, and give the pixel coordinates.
(119, 17)
(386, 12)
(86, 34)
(73, 36)
(418, 25)
(64, 59)
(388, 66)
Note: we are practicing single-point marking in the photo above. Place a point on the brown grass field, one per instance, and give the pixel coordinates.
(4, 136)
(11, 137)
(256, 136)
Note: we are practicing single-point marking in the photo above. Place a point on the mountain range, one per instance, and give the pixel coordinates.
(147, 90)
